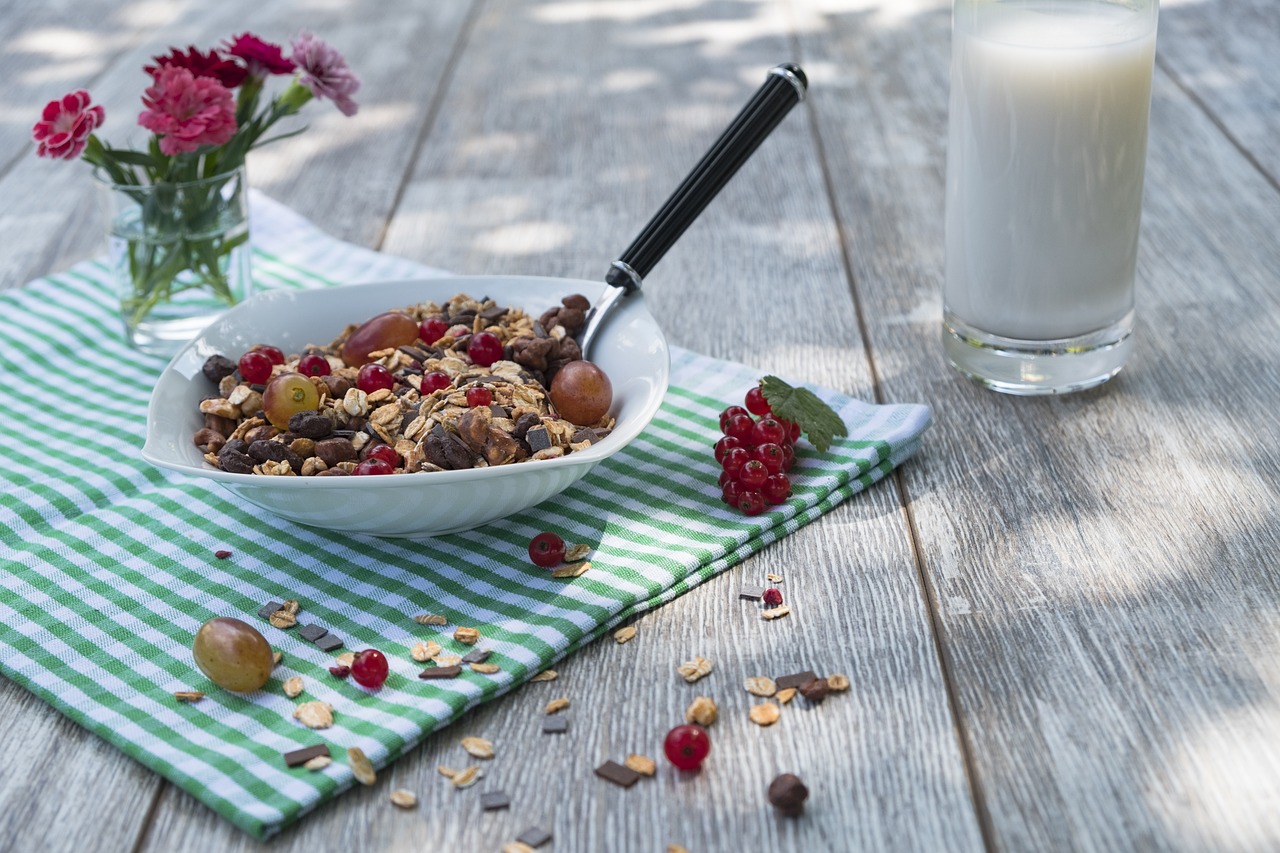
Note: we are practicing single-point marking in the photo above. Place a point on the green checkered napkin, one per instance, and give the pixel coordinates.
(108, 567)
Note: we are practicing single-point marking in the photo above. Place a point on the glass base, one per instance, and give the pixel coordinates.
(1032, 368)
(164, 337)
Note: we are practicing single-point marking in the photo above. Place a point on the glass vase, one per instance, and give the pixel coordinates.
(179, 255)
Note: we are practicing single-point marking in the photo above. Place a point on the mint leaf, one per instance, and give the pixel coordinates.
(817, 420)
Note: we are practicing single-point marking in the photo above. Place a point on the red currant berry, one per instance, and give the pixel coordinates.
(741, 427)
(478, 395)
(751, 502)
(771, 455)
(724, 445)
(432, 329)
(385, 452)
(687, 746)
(314, 364)
(340, 671)
(731, 492)
(793, 430)
(734, 459)
(776, 489)
(757, 404)
(788, 457)
(370, 668)
(484, 348)
(752, 474)
(374, 377)
(273, 353)
(374, 465)
(728, 413)
(255, 367)
(768, 430)
(435, 380)
(726, 478)
(772, 597)
(546, 550)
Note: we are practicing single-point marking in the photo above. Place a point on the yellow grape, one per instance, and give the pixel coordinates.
(233, 654)
(286, 395)
(582, 393)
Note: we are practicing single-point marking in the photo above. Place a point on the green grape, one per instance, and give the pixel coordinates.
(582, 393)
(385, 331)
(233, 654)
(286, 395)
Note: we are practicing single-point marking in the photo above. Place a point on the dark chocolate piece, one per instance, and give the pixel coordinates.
(555, 725)
(618, 774)
(265, 611)
(799, 679)
(477, 656)
(752, 593)
(301, 756)
(328, 642)
(534, 836)
(311, 633)
(538, 438)
(493, 800)
(440, 671)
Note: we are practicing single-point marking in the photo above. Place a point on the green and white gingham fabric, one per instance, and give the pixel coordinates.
(108, 566)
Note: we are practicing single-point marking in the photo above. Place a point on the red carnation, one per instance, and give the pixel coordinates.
(65, 125)
(262, 57)
(211, 64)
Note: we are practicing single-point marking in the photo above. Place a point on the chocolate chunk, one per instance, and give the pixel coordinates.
(328, 642)
(493, 800)
(618, 774)
(493, 314)
(534, 836)
(538, 438)
(752, 593)
(816, 690)
(441, 672)
(311, 633)
(526, 422)
(555, 725)
(301, 756)
(265, 611)
(477, 656)
(799, 679)
(787, 793)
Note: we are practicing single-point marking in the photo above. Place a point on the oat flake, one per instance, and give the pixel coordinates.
(314, 715)
(466, 778)
(293, 687)
(546, 675)
(694, 669)
(404, 799)
(761, 685)
(320, 762)
(361, 766)
(764, 714)
(556, 705)
(641, 764)
(839, 683)
(624, 634)
(478, 747)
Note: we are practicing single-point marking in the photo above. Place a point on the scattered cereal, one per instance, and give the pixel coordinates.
(287, 615)
(188, 695)
(516, 847)
(556, 705)
(786, 694)
(676, 848)
(571, 570)
(320, 762)
(642, 765)
(764, 714)
(839, 683)
(761, 685)
(624, 634)
(478, 747)
(431, 619)
(404, 799)
(694, 669)
(772, 578)
(423, 652)
(446, 772)
(702, 711)
(276, 658)
(546, 675)
(467, 636)
(361, 766)
(486, 668)
(446, 660)
(345, 659)
(574, 553)
(314, 715)
(776, 612)
(466, 778)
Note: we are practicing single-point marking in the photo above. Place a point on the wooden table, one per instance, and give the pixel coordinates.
(1061, 619)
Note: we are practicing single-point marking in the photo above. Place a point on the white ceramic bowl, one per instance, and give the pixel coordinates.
(631, 349)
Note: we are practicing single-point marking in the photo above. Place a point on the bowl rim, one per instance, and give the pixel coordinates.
(597, 452)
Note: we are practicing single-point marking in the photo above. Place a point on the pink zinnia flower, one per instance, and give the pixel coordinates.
(65, 125)
(325, 73)
(262, 57)
(211, 64)
(187, 111)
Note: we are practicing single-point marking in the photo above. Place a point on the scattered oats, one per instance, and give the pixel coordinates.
(776, 612)
(486, 668)
(314, 715)
(839, 683)
(404, 799)
(546, 675)
(517, 847)
(446, 772)
(466, 778)
(293, 687)
(431, 619)
(574, 553)
(361, 766)
(188, 695)
(642, 765)
(765, 714)
(624, 634)
(478, 747)
(556, 705)
(571, 570)
(772, 578)
(447, 660)
(320, 762)
(345, 659)
(467, 636)
(694, 669)
(787, 694)
(276, 658)
(676, 848)
(702, 711)
(423, 652)
(761, 685)
(287, 615)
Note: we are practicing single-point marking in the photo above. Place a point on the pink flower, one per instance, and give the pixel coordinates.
(64, 127)
(262, 57)
(325, 73)
(226, 72)
(187, 111)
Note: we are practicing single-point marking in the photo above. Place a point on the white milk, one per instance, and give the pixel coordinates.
(1048, 137)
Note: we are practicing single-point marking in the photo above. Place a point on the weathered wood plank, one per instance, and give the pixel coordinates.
(1100, 564)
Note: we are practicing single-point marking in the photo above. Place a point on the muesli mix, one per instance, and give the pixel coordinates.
(429, 387)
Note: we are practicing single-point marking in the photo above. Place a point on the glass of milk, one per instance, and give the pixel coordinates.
(1045, 155)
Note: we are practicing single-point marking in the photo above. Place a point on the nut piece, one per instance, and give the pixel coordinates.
(361, 766)
(702, 711)
(787, 794)
(815, 691)
(624, 634)
(467, 636)
(546, 675)
(838, 683)
(478, 747)
(786, 695)
(761, 685)
(423, 652)
(466, 778)
(765, 714)
(641, 764)
(314, 715)
(188, 695)
(404, 799)
(293, 687)
(775, 612)
(320, 762)
(694, 669)
(556, 705)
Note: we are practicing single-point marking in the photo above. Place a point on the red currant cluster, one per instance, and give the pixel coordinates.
(755, 455)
